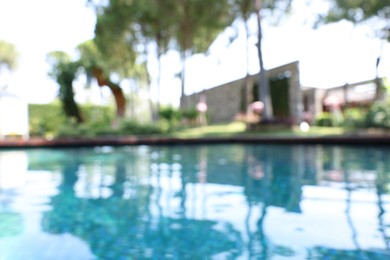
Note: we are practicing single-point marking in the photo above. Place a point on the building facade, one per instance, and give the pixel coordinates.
(226, 101)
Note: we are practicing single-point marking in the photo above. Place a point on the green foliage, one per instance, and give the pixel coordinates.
(169, 113)
(379, 115)
(94, 64)
(48, 120)
(8, 55)
(64, 72)
(132, 127)
(329, 119)
(98, 114)
(190, 114)
(200, 22)
(355, 117)
(376, 116)
(192, 25)
(358, 10)
(126, 127)
(73, 129)
(123, 27)
(45, 120)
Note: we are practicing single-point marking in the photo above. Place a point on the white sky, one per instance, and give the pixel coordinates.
(330, 56)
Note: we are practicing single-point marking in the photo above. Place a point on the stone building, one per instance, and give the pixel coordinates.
(290, 100)
(226, 101)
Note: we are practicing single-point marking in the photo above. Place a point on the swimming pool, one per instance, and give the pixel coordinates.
(196, 202)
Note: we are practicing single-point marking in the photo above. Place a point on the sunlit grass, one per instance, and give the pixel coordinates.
(222, 130)
(239, 129)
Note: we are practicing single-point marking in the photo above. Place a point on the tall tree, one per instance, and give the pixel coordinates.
(159, 29)
(94, 64)
(137, 24)
(243, 9)
(264, 91)
(199, 23)
(64, 71)
(191, 24)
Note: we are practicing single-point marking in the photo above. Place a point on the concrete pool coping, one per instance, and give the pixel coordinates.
(137, 140)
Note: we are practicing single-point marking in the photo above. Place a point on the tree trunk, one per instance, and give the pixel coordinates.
(159, 54)
(153, 112)
(264, 93)
(247, 86)
(71, 108)
(182, 77)
(185, 45)
(116, 90)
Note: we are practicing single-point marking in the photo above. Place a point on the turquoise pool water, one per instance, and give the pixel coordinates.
(195, 202)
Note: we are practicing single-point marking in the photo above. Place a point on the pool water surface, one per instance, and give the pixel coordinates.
(195, 202)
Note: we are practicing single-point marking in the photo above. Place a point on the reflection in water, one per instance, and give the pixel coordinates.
(201, 202)
(13, 164)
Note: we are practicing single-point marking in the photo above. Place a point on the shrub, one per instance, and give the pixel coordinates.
(98, 114)
(324, 119)
(378, 115)
(191, 114)
(45, 119)
(48, 120)
(169, 113)
(135, 128)
(355, 117)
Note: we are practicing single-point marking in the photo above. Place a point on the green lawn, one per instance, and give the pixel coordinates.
(239, 129)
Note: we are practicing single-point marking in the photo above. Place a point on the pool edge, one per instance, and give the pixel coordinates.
(136, 140)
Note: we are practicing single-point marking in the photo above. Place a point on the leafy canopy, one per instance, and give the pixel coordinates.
(377, 12)
(358, 10)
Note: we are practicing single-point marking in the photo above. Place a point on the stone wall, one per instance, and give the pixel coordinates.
(224, 101)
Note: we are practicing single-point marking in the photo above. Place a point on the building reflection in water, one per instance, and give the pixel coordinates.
(227, 201)
(13, 166)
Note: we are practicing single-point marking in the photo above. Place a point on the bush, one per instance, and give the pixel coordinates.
(324, 119)
(48, 120)
(45, 119)
(93, 114)
(329, 119)
(355, 117)
(378, 115)
(135, 128)
(169, 113)
(191, 114)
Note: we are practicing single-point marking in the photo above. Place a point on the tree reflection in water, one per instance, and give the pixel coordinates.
(120, 226)
(271, 180)
(165, 202)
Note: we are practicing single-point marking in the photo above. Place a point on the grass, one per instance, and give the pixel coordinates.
(223, 130)
(239, 129)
